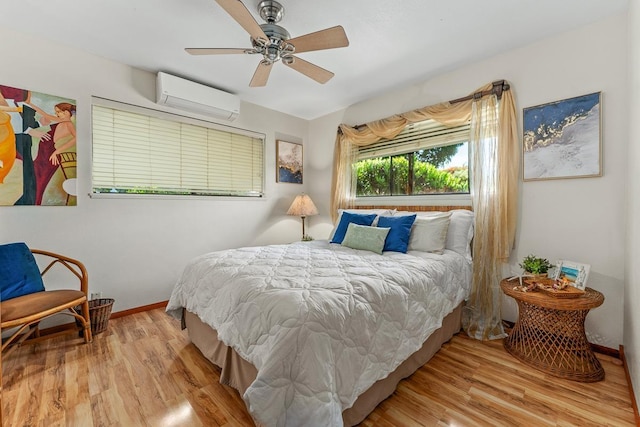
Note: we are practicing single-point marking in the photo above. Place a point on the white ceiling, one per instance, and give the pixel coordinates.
(392, 43)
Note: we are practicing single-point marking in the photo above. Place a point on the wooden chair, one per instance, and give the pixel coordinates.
(25, 312)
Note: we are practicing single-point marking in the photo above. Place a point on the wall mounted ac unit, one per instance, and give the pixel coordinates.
(186, 95)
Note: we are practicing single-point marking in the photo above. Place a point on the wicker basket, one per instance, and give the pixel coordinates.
(99, 313)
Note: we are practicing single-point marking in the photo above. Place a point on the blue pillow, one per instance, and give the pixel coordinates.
(19, 273)
(398, 237)
(348, 218)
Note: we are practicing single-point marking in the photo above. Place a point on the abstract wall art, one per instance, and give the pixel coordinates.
(562, 139)
(289, 159)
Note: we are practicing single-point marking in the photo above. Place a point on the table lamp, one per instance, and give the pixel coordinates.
(303, 207)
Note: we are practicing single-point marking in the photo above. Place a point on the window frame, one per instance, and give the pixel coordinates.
(163, 115)
(385, 147)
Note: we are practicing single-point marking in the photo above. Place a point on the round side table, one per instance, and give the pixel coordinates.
(549, 333)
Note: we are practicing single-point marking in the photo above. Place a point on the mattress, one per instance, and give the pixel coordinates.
(321, 323)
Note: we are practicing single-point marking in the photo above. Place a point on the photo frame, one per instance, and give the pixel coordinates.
(289, 158)
(563, 139)
(576, 273)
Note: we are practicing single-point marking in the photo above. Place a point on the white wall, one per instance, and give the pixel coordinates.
(135, 249)
(632, 270)
(575, 219)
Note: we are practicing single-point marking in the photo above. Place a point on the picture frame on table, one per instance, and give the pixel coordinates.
(289, 167)
(574, 272)
(563, 139)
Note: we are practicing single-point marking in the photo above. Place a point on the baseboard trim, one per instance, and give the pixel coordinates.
(634, 404)
(161, 304)
(66, 328)
(605, 350)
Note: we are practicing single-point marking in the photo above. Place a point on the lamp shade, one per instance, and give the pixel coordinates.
(302, 206)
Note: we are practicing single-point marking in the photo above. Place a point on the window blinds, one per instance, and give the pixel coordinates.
(138, 153)
(416, 137)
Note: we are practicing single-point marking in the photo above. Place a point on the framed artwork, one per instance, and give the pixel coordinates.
(289, 162)
(37, 148)
(562, 139)
(574, 272)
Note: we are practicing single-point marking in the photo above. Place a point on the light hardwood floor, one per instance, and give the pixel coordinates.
(143, 371)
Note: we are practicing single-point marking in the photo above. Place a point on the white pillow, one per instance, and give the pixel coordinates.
(460, 232)
(429, 233)
(379, 212)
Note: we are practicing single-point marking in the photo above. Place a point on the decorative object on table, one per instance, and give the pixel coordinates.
(557, 288)
(44, 174)
(535, 266)
(575, 273)
(523, 285)
(303, 207)
(289, 159)
(562, 139)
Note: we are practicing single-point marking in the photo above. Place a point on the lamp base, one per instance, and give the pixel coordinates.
(307, 238)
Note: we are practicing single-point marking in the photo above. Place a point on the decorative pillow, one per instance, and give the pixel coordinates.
(398, 238)
(348, 218)
(365, 237)
(19, 273)
(361, 212)
(429, 233)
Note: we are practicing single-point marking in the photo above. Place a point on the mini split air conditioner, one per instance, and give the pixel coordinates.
(186, 95)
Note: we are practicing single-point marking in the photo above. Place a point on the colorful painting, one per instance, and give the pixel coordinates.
(289, 158)
(37, 148)
(562, 139)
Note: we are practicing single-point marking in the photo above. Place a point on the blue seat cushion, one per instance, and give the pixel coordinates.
(398, 237)
(19, 272)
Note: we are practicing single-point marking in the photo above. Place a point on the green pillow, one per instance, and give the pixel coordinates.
(365, 237)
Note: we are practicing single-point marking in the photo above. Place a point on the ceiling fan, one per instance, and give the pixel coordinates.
(274, 43)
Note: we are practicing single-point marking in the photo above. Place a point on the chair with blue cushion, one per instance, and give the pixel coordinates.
(24, 300)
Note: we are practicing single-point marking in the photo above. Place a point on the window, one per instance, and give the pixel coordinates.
(425, 158)
(142, 151)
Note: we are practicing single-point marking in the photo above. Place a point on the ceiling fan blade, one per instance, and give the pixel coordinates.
(216, 51)
(325, 39)
(310, 70)
(241, 14)
(261, 74)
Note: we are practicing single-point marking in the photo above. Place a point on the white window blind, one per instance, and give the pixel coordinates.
(415, 137)
(135, 152)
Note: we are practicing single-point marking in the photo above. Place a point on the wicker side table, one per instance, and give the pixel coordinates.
(549, 333)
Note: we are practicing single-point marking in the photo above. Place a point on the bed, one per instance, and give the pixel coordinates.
(319, 333)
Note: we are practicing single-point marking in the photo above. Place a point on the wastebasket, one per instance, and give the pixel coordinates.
(99, 313)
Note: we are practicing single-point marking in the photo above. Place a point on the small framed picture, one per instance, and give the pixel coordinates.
(574, 272)
(289, 162)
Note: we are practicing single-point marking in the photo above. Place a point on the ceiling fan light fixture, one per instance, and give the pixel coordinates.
(271, 11)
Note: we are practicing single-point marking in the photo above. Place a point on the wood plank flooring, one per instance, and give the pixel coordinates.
(143, 371)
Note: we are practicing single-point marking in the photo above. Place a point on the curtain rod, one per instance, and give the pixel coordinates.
(499, 86)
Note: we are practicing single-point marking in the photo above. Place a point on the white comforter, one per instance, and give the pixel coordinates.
(320, 322)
